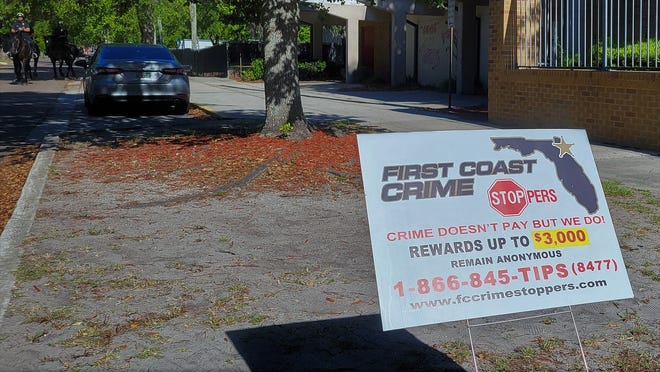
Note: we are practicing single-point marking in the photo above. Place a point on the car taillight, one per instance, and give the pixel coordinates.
(108, 71)
(173, 71)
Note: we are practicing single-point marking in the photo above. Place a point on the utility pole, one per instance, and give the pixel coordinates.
(193, 24)
(451, 14)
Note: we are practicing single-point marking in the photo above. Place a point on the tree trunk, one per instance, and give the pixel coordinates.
(284, 111)
(145, 15)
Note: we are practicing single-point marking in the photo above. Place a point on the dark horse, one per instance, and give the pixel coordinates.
(59, 50)
(23, 53)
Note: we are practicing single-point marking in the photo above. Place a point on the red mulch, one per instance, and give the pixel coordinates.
(14, 169)
(205, 162)
(208, 162)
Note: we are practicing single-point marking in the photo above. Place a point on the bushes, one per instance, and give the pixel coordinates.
(640, 54)
(311, 70)
(306, 70)
(255, 71)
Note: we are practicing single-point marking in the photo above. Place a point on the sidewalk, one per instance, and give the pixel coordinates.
(394, 110)
(121, 275)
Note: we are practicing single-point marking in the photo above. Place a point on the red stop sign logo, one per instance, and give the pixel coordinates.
(507, 197)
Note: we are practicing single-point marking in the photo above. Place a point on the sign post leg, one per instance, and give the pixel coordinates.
(474, 353)
(577, 334)
(570, 310)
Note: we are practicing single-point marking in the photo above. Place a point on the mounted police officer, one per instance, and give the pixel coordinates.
(60, 33)
(24, 30)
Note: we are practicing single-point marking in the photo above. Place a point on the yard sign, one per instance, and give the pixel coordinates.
(467, 224)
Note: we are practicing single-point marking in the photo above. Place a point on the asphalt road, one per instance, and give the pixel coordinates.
(24, 107)
(30, 114)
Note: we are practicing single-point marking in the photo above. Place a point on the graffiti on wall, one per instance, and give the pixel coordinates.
(431, 57)
(430, 29)
(433, 51)
(445, 42)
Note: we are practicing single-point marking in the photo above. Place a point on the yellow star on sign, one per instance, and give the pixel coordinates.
(564, 148)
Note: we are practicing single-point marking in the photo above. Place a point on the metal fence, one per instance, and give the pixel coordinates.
(204, 62)
(592, 34)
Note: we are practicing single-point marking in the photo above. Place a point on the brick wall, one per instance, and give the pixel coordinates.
(618, 107)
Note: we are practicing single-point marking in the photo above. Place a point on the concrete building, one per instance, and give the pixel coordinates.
(404, 41)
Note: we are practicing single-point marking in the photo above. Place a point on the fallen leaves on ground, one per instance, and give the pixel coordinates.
(14, 169)
(210, 161)
(205, 162)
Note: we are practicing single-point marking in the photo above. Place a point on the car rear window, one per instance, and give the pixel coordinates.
(135, 52)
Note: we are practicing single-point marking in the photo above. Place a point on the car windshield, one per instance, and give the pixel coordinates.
(135, 53)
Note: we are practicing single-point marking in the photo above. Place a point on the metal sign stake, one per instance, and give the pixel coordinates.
(570, 310)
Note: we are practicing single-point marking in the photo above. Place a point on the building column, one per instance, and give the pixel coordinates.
(317, 41)
(398, 51)
(469, 47)
(352, 48)
(501, 56)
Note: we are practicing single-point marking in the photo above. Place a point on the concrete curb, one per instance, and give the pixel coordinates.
(24, 213)
(21, 220)
(206, 110)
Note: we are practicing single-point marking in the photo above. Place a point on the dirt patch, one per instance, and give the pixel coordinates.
(274, 273)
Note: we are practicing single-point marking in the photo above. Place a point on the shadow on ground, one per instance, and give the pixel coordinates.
(347, 344)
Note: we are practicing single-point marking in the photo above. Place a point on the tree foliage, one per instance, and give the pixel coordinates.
(93, 22)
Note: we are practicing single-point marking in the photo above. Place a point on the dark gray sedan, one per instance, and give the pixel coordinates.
(127, 73)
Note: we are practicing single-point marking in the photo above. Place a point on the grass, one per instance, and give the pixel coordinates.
(628, 315)
(34, 267)
(150, 352)
(97, 232)
(636, 200)
(41, 314)
(308, 276)
(90, 335)
(634, 360)
(457, 350)
(523, 359)
(231, 309)
(38, 335)
(107, 357)
(93, 334)
(594, 342)
(616, 189)
(549, 344)
(549, 320)
(637, 331)
(131, 281)
(648, 271)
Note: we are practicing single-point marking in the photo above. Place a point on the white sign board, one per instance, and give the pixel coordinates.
(467, 224)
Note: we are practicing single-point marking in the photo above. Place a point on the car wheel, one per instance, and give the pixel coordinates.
(181, 108)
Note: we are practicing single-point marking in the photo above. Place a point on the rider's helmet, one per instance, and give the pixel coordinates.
(20, 15)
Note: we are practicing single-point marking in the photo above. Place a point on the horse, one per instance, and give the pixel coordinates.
(21, 57)
(59, 50)
(35, 57)
(6, 40)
